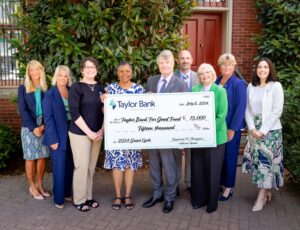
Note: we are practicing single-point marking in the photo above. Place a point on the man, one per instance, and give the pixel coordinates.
(185, 73)
(165, 159)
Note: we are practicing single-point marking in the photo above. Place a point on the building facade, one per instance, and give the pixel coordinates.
(215, 27)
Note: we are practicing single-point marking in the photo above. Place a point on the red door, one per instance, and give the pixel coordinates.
(204, 32)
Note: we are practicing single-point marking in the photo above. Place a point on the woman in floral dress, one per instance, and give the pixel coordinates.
(263, 154)
(123, 162)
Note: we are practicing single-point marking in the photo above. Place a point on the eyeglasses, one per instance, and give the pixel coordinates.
(90, 67)
(200, 74)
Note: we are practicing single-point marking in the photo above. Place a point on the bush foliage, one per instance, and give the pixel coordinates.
(60, 32)
(10, 145)
(280, 41)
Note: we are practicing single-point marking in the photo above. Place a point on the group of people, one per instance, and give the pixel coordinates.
(66, 122)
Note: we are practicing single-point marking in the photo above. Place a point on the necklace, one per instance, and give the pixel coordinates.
(223, 82)
(91, 86)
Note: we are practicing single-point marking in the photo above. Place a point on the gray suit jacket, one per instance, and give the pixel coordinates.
(175, 85)
(193, 79)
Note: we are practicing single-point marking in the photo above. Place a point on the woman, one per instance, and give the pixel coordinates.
(85, 132)
(57, 119)
(30, 97)
(207, 162)
(123, 162)
(263, 155)
(236, 96)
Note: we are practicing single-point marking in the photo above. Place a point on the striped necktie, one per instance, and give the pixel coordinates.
(164, 86)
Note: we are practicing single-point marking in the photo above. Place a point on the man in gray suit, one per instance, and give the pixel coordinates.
(164, 159)
(185, 73)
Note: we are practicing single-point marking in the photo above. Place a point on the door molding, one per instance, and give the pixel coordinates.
(227, 15)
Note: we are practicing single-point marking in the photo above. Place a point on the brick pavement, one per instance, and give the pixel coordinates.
(19, 211)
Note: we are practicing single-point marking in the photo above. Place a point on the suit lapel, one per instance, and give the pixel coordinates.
(58, 100)
(154, 85)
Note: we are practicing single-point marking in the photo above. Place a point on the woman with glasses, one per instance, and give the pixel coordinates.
(236, 96)
(85, 132)
(207, 162)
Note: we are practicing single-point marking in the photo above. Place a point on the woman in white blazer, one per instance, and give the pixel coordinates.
(263, 156)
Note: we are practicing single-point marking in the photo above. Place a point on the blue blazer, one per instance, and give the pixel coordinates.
(27, 108)
(237, 100)
(56, 123)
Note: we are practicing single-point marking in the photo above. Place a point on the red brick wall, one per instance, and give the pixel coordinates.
(9, 114)
(244, 25)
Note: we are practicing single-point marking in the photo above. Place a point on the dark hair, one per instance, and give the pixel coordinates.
(122, 63)
(272, 75)
(91, 59)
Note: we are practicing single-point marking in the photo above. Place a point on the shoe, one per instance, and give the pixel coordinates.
(259, 205)
(38, 197)
(45, 194)
(68, 198)
(115, 205)
(150, 202)
(92, 203)
(82, 207)
(168, 206)
(197, 206)
(224, 198)
(210, 210)
(59, 206)
(128, 206)
(177, 192)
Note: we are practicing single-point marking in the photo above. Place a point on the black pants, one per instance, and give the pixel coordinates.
(206, 171)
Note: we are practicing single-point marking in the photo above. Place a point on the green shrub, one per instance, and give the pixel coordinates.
(60, 32)
(10, 145)
(280, 41)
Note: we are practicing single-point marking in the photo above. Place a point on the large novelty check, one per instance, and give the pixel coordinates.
(157, 121)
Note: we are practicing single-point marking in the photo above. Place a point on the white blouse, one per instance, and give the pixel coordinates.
(271, 107)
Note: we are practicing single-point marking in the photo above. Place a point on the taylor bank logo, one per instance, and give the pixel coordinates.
(113, 104)
(131, 104)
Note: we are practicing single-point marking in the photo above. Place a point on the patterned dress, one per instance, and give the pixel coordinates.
(122, 159)
(32, 146)
(263, 158)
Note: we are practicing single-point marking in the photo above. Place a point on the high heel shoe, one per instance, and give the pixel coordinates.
(45, 194)
(224, 198)
(39, 197)
(259, 205)
(59, 206)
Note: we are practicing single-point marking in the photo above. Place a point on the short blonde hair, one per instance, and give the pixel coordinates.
(226, 57)
(165, 54)
(29, 86)
(64, 68)
(209, 67)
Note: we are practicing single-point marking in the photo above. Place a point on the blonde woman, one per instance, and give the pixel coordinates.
(30, 97)
(207, 163)
(57, 120)
(236, 90)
